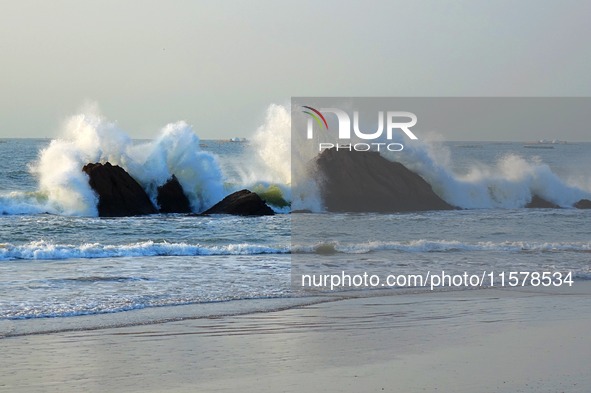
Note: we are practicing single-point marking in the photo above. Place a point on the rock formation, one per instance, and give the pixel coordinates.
(171, 197)
(583, 204)
(353, 181)
(119, 194)
(242, 203)
(540, 203)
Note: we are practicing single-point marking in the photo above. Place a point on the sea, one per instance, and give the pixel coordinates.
(60, 261)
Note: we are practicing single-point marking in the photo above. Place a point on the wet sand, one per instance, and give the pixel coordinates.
(492, 340)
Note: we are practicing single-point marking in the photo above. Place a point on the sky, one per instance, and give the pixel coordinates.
(219, 64)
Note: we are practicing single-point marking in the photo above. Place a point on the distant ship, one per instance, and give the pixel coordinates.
(544, 144)
(236, 139)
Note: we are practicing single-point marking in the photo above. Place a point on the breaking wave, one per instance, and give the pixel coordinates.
(63, 188)
(91, 138)
(44, 250)
(508, 183)
(423, 245)
(50, 251)
(269, 167)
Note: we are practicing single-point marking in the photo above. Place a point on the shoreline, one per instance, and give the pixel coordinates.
(464, 341)
(154, 315)
(10, 328)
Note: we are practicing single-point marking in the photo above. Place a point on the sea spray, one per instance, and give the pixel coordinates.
(177, 151)
(509, 183)
(269, 170)
(273, 164)
(91, 138)
(281, 163)
(59, 166)
(272, 145)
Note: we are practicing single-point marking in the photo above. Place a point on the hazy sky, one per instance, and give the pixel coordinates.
(219, 64)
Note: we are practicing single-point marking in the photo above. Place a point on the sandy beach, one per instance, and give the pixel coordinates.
(493, 340)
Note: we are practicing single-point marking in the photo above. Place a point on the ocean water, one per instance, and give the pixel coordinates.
(55, 265)
(59, 260)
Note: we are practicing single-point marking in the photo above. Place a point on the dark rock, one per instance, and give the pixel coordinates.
(242, 203)
(119, 194)
(583, 204)
(540, 203)
(353, 181)
(171, 197)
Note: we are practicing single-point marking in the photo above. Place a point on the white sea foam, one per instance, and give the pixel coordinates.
(280, 160)
(89, 138)
(511, 182)
(423, 245)
(50, 251)
(18, 202)
(271, 144)
(176, 151)
(45, 250)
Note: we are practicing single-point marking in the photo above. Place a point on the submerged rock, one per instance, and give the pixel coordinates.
(540, 203)
(353, 181)
(583, 204)
(119, 194)
(242, 203)
(171, 197)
